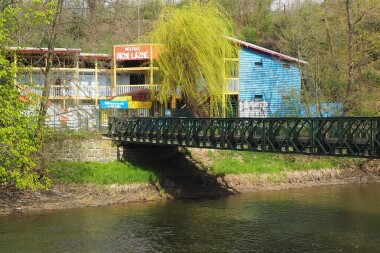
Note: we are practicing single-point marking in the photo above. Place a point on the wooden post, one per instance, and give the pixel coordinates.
(63, 84)
(76, 79)
(174, 100)
(151, 66)
(114, 66)
(211, 108)
(96, 82)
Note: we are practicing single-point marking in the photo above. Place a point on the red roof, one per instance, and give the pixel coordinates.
(95, 56)
(267, 51)
(26, 50)
(39, 50)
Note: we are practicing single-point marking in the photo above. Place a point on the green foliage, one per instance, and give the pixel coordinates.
(193, 53)
(99, 173)
(18, 116)
(29, 21)
(17, 127)
(249, 34)
(319, 33)
(258, 27)
(236, 162)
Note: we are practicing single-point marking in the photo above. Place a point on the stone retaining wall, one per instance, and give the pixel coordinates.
(81, 150)
(103, 150)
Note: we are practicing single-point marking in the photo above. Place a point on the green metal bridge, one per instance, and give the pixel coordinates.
(340, 136)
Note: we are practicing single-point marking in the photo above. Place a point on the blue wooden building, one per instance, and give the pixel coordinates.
(269, 82)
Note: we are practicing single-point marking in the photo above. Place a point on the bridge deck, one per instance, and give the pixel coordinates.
(342, 136)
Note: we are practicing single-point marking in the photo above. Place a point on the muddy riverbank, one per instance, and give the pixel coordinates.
(201, 185)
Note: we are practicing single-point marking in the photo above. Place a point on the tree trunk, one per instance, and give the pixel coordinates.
(350, 65)
(48, 70)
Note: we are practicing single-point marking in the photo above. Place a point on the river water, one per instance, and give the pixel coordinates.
(320, 219)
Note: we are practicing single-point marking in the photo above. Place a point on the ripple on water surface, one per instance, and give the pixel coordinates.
(320, 219)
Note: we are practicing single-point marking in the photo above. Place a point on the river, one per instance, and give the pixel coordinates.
(319, 219)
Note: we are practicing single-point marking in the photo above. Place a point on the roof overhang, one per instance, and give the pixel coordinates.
(38, 50)
(95, 56)
(267, 51)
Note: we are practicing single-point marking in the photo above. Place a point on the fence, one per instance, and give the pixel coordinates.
(86, 117)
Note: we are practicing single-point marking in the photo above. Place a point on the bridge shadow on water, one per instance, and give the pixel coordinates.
(181, 176)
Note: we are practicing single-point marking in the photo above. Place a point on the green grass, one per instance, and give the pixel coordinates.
(236, 162)
(222, 162)
(99, 173)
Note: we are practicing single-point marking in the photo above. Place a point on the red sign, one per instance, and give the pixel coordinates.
(133, 52)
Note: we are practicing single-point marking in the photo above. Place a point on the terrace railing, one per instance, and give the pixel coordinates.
(90, 92)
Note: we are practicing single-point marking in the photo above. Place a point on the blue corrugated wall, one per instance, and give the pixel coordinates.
(278, 82)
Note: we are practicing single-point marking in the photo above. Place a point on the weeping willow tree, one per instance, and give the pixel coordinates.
(193, 54)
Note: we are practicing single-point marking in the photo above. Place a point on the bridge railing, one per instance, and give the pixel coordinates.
(359, 137)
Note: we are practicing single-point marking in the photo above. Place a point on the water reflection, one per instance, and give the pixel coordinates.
(321, 219)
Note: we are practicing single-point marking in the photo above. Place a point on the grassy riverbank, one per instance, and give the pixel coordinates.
(211, 162)
(233, 162)
(100, 173)
(194, 173)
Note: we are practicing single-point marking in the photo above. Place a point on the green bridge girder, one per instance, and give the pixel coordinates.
(338, 136)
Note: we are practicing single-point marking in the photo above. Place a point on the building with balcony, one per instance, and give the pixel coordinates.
(82, 80)
(268, 83)
(259, 84)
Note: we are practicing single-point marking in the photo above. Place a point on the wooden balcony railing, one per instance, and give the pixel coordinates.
(90, 92)
(122, 89)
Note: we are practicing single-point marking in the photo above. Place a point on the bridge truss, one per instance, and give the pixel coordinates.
(341, 136)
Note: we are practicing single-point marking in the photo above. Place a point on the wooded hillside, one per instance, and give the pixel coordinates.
(339, 38)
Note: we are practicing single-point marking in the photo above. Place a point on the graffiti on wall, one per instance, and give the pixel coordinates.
(253, 109)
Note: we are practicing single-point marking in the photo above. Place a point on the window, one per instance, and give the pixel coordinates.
(69, 78)
(104, 79)
(86, 78)
(38, 78)
(258, 63)
(122, 79)
(24, 78)
(137, 78)
(258, 97)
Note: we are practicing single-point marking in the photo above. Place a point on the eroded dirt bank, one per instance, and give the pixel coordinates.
(177, 186)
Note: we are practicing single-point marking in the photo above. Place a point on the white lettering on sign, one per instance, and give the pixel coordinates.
(132, 49)
(132, 53)
(114, 104)
(140, 55)
(122, 56)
